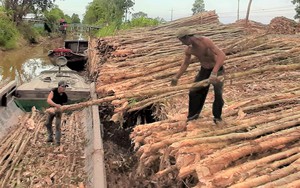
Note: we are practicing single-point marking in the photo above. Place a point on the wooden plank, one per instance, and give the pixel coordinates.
(99, 175)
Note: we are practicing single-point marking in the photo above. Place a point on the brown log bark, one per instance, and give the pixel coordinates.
(239, 136)
(222, 158)
(261, 180)
(147, 93)
(293, 184)
(231, 175)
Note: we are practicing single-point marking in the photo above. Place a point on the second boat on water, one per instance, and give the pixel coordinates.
(75, 51)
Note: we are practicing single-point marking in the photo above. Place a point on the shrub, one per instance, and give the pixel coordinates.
(28, 31)
(140, 22)
(8, 33)
(108, 30)
(111, 29)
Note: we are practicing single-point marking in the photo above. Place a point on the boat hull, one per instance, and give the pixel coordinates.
(35, 92)
(75, 51)
(40, 104)
(75, 62)
(9, 112)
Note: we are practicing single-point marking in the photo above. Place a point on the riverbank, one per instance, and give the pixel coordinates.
(28, 60)
(75, 163)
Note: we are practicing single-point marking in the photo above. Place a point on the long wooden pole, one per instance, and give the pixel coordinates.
(151, 92)
(248, 12)
(238, 10)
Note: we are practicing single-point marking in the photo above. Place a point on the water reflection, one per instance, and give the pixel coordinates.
(1, 73)
(24, 64)
(32, 68)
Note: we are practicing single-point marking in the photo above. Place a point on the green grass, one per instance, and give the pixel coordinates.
(112, 28)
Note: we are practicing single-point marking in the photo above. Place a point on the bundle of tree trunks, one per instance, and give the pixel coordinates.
(198, 19)
(258, 142)
(140, 74)
(251, 26)
(257, 145)
(26, 159)
(283, 25)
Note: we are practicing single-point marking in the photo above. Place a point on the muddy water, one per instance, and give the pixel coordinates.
(23, 64)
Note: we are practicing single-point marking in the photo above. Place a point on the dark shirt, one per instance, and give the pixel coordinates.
(59, 98)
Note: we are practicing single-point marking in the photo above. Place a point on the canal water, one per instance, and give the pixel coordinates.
(23, 64)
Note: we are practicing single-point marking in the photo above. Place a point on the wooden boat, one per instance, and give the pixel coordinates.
(18, 129)
(75, 51)
(9, 112)
(35, 92)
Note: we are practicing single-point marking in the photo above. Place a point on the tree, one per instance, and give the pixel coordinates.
(94, 12)
(198, 6)
(17, 9)
(139, 15)
(105, 12)
(53, 15)
(67, 18)
(75, 18)
(8, 31)
(297, 9)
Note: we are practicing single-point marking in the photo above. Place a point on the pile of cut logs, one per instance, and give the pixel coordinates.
(148, 58)
(258, 142)
(26, 159)
(282, 25)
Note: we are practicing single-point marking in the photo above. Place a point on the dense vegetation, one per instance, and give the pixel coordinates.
(133, 23)
(110, 16)
(297, 9)
(8, 32)
(17, 9)
(103, 12)
(198, 6)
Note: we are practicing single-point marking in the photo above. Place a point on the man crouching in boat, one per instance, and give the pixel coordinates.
(56, 98)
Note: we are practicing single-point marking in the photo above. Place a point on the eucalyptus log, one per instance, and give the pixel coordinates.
(280, 173)
(239, 136)
(145, 93)
(229, 176)
(259, 126)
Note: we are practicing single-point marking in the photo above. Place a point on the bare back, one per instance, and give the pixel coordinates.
(204, 50)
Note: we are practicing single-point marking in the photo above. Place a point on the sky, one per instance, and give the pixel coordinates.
(227, 10)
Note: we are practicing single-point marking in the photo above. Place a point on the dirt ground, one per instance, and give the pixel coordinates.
(120, 158)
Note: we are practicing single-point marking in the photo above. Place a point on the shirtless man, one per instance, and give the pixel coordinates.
(211, 59)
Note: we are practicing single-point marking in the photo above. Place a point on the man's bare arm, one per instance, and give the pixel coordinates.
(184, 65)
(219, 56)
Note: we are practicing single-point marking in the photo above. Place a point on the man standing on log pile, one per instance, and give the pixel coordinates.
(211, 59)
(56, 98)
